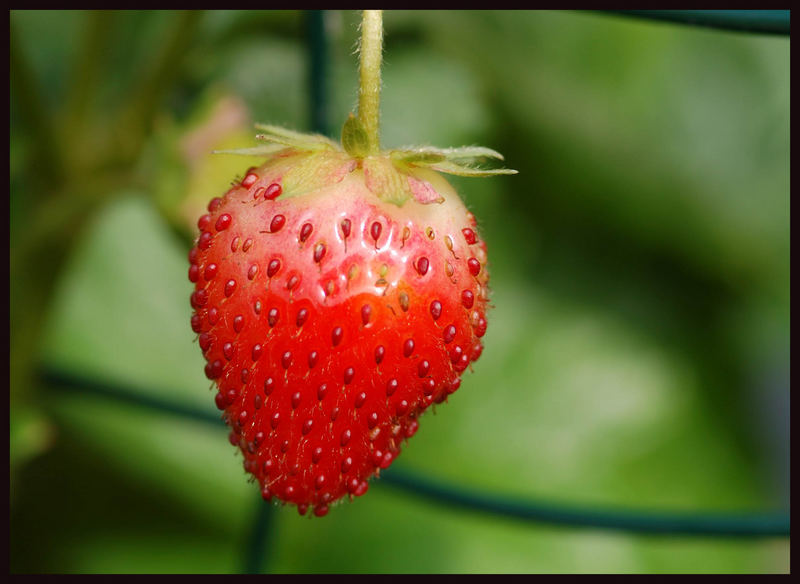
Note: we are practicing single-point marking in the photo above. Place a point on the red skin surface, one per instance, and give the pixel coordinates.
(327, 345)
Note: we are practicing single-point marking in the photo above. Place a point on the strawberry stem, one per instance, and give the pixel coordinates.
(369, 94)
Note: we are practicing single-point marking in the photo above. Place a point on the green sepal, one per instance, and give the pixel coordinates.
(318, 169)
(297, 140)
(462, 161)
(387, 182)
(354, 138)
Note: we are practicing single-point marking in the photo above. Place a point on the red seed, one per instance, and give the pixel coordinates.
(214, 204)
(474, 266)
(238, 323)
(345, 227)
(305, 231)
(223, 222)
(273, 191)
(273, 267)
(422, 266)
(436, 309)
(277, 223)
(227, 351)
(361, 398)
(249, 180)
(469, 235)
(319, 252)
(210, 272)
(375, 230)
(230, 288)
(204, 241)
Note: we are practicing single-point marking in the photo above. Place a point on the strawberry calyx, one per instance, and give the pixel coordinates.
(391, 175)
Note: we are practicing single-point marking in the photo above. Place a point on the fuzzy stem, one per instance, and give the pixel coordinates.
(369, 94)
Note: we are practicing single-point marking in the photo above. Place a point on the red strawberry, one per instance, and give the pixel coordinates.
(336, 298)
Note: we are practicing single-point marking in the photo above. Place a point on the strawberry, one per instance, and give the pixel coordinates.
(337, 297)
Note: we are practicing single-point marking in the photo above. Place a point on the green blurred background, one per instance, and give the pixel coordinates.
(638, 350)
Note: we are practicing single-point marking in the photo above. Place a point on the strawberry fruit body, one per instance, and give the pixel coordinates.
(335, 300)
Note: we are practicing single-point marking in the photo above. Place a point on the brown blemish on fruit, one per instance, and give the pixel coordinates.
(402, 298)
